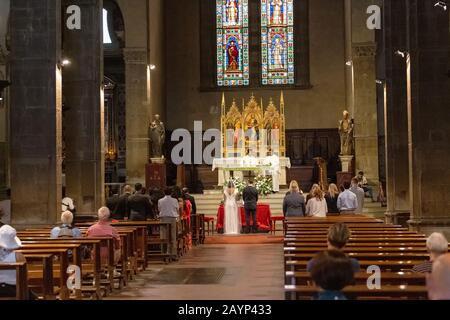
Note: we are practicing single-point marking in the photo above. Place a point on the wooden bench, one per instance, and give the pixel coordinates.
(89, 267)
(356, 232)
(45, 284)
(387, 278)
(366, 256)
(22, 291)
(59, 270)
(385, 265)
(355, 249)
(361, 292)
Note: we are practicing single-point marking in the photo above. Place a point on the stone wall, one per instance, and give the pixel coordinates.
(319, 107)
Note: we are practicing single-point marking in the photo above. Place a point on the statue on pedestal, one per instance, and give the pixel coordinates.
(346, 127)
(157, 136)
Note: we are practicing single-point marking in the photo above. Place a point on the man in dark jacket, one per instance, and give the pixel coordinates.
(250, 197)
(121, 210)
(139, 205)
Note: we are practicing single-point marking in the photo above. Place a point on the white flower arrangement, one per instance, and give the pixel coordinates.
(263, 184)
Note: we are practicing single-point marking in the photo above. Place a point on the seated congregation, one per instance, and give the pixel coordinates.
(359, 257)
(90, 260)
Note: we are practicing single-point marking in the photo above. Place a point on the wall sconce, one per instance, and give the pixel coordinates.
(441, 4)
(401, 53)
(380, 81)
(349, 63)
(152, 67)
(63, 63)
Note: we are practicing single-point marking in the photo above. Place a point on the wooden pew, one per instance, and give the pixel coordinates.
(354, 232)
(59, 271)
(366, 256)
(387, 278)
(91, 266)
(354, 225)
(356, 249)
(375, 240)
(362, 292)
(22, 291)
(45, 263)
(385, 265)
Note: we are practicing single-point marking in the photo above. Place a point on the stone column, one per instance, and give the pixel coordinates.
(138, 113)
(35, 120)
(396, 128)
(4, 116)
(83, 97)
(429, 116)
(365, 114)
(349, 71)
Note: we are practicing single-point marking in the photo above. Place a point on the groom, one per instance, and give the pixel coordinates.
(250, 197)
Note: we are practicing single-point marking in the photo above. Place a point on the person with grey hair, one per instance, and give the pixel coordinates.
(437, 245)
(65, 230)
(103, 228)
(438, 282)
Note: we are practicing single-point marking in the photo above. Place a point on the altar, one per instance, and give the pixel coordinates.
(253, 140)
(272, 165)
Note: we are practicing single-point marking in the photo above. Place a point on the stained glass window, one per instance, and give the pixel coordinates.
(232, 43)
(277, 42)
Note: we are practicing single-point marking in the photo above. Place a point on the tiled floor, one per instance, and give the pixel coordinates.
(209, 272)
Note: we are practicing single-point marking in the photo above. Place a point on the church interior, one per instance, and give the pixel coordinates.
(211, 149)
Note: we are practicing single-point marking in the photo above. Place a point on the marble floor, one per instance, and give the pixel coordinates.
(214, 272)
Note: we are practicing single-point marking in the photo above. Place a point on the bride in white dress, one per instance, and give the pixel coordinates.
(232, 223)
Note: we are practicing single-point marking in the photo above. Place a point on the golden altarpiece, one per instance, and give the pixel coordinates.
(253, 140)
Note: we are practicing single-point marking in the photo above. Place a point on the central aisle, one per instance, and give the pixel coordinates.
(210, 272)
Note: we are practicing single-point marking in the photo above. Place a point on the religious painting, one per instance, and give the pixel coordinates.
(277, 53)
(232, 13)
(277, 12)
(232, 43)
(277, 42)
(232, 56)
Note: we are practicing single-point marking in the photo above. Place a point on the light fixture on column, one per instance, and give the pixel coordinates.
(64, 63)
(349, 63)
(380, 81)
(441, 4)
(152, 67)
(401, 53)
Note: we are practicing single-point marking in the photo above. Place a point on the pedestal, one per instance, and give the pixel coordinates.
(155, 175)
(346, 162)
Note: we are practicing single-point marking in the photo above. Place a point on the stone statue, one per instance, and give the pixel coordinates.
(346, 126)
(157, 135)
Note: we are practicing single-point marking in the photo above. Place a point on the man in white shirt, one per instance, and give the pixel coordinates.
(168, 212)
(362, 183)
(347, 202)
(359, 192)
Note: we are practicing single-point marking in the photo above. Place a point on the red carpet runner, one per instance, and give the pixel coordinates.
(244, 239)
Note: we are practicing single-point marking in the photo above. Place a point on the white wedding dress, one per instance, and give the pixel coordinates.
(232, 223)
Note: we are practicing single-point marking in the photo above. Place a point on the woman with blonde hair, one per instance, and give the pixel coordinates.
(311, 192)
(331, 197)
(317, 205)
(294, 202)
